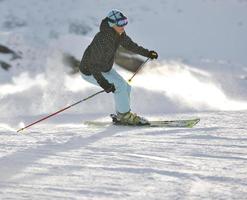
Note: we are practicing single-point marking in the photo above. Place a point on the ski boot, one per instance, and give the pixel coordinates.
(129, 118)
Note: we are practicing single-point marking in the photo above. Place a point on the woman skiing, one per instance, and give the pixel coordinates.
(97, 61)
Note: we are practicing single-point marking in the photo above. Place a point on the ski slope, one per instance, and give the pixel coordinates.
(60, 160)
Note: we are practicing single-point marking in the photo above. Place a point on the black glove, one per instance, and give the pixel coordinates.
(111, 88)
(153, 55)
(108, 87)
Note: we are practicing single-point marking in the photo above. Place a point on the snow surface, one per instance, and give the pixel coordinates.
(74, 161)
(201, 72)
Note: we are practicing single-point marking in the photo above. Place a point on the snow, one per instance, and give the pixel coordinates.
(75, 161)
(201, 72)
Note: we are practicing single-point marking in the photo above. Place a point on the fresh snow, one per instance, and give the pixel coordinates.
(201, 72)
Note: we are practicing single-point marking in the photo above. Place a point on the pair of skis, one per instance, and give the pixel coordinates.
(186, 123)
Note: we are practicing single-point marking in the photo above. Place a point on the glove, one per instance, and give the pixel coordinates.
(153, 55)
(111, 88)
(108, 87)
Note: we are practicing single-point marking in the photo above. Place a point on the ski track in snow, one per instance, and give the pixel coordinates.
(58, 161)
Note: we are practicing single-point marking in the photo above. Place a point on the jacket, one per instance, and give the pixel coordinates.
(99, 55)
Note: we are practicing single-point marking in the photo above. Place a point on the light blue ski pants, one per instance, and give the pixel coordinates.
(122, 92)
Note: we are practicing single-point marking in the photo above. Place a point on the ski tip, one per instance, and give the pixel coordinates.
(194, 122)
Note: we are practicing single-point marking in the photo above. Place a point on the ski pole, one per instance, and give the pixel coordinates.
(138, 69)
(89, 97)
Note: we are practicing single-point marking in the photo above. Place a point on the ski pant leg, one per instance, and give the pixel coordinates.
(123, 89)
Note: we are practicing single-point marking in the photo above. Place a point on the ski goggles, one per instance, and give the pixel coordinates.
(120, 22)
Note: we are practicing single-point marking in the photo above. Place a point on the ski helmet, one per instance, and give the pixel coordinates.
(117, 18)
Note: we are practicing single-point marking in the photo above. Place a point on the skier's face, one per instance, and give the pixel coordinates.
(119, 29)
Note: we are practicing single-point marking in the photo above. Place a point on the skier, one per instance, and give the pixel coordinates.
(98, 58)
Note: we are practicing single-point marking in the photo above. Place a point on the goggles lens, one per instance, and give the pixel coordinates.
(122, 22)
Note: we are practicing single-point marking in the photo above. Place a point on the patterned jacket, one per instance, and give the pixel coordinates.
(99, 55)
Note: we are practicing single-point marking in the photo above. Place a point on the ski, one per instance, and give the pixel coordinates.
(184, 123)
